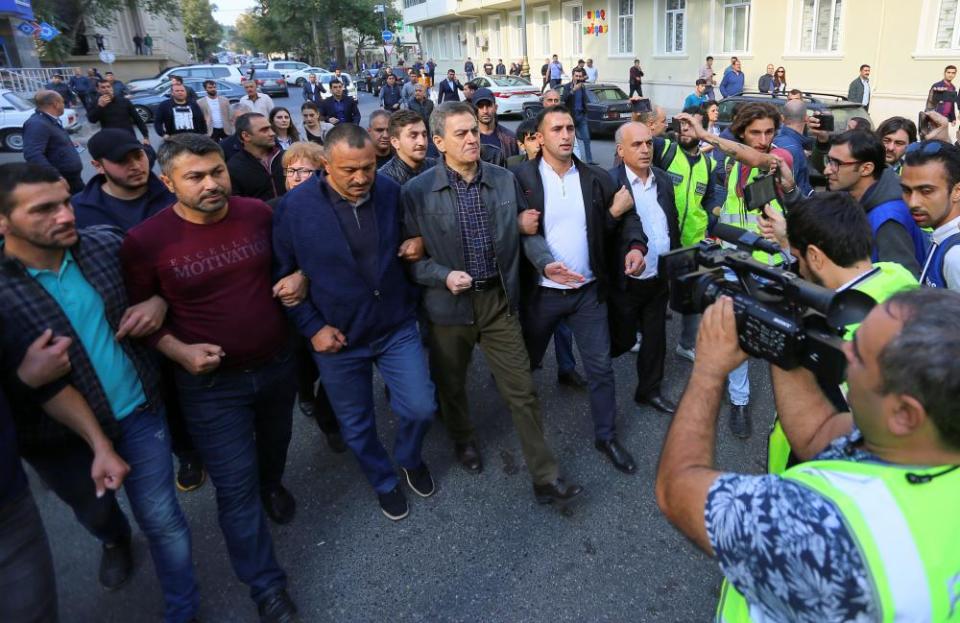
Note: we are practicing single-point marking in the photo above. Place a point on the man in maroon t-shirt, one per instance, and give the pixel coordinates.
(209, 256)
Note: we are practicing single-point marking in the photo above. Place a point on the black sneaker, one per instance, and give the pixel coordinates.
(394, 504)
(306, 407)
(278, 608)
(190, 475)
(116, 563)
(420, 480)
(279, 504)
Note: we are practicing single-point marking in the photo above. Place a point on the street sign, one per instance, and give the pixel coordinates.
(387, 36)
(388, 50)
(106, 56)
(48, 32)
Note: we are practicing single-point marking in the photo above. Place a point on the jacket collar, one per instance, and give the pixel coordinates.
(441, 180)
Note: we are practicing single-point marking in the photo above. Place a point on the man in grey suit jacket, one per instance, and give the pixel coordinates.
(859, 90)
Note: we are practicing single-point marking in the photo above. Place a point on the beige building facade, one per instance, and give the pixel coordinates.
(820, 43)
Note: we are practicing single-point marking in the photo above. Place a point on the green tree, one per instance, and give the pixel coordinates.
(200, 27)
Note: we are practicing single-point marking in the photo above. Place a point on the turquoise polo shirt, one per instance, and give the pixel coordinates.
(84, 309)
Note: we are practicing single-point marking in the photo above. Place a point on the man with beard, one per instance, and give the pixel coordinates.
(257, 169)
(339, 108)
(67, 286)
(210, 255)
(378, 126)
(492, 133)
(124, 193)
(116, 112)
(408, 136)
(896, 134)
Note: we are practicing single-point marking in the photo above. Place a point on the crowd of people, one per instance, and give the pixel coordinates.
(265, 268)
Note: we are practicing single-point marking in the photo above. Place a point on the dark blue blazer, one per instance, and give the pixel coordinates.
(45, 142)
(328, 108)
(307, 236)
(313, 93)
(446, 94)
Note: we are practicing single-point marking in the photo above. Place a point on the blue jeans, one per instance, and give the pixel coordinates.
(145, 445)
(563, 348)
(738, 384)
(582, 128)
(229, 413)
(583, 312)
(26, 567)
(348, 378)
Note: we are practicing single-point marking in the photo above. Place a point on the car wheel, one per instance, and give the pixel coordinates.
(13, 140)
(144, 113)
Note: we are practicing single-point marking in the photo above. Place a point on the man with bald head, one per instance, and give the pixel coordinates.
(792, 138)
(766, 82)
(639, 302)
(46, 142)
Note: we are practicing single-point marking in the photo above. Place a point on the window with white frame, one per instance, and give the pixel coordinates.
(428, 49)
(443, 42)
(674, 29)
(820, 25)
(735, 26)
(472, 39)
(625, 27)
(542, 32)
(948, 26)
(495, 44)
(574, 19)
(457, 48)
(516, 34)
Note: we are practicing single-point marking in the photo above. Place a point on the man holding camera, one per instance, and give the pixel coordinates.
(575, 99)
(943, 95)
(931, 189)
(866, 529)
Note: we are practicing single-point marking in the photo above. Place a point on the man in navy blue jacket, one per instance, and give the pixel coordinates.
(339, 107)
(46, 142)
(343, 231)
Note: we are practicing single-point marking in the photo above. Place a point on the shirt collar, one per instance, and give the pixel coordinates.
(635, 180)
(544, 167)
(858, 279)
(946, 230)
(455, 177)
(67, 259)
(334, 197)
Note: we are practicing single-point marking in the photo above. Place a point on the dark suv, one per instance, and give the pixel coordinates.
(840, 107)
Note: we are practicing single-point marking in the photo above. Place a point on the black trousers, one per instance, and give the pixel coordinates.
(636, 88)
(642, 307)
(75, 181)
(180, 439)
(26, 567)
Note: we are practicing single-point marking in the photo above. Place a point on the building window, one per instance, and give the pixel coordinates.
(444, 41)
(457, 47)
(543, 31)
(735, 36)
(495, 44)
(518, 35)
(948, 26)
(820, 25)
(625, 27)
(575, 28)
(674, 26)
(409, 3)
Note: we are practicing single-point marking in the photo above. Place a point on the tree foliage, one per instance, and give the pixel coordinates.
(198, 20)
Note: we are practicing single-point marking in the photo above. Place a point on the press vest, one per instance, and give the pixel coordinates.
(690, 184)
(903, 521)
(886, 279)
(734, 211)
(896, 210)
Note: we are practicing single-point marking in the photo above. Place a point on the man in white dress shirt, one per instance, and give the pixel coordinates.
(640, 304)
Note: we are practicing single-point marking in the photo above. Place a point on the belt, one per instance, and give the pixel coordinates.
(482, 285)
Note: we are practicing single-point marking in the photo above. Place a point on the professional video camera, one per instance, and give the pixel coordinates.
(780, 317)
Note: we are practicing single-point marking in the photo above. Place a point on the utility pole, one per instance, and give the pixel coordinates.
(525, 65)
(382, 9)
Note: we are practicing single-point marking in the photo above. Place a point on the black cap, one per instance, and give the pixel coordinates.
(483, 95)
(113, 144)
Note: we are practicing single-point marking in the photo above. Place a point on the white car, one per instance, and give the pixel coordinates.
(299, 77)
(229, 73)
(292, 70)
(14, 112)
(511, 92)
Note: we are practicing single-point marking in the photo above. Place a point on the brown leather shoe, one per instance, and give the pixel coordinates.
(469, 456)
(556, 491)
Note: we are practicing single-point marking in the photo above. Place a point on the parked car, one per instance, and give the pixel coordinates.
(839, 106)
(14, 112)
(608, 107)
(325, 79)
(147, 102)
(366, 79)
(512, 92)
(287, 68)
(300, 76)
(228, 73)
(271, 82)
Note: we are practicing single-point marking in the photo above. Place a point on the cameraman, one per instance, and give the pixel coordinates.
(575, 99)
(867, 529)
(830, 237)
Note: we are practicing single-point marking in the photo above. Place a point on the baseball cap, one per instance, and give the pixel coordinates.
(483, 95)
(113, 144)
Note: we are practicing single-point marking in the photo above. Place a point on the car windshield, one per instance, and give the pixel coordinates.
(18, 102)
(843, 114)
(510, 81)
(609, 94)
(267, 74)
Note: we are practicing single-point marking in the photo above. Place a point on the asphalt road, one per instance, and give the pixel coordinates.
(480, 549)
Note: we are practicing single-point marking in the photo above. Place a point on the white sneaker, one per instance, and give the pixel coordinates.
(686, 353)
(636, 347)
